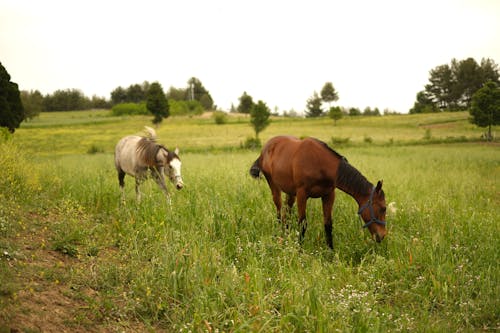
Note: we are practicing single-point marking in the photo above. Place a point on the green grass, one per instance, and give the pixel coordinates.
(215, 259)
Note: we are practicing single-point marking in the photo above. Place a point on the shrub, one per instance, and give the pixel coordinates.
(220, 117)
(339, 141)
(252, 143)
(129, 109)
(184, 108)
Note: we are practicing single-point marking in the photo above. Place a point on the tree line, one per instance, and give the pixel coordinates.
(451, 86)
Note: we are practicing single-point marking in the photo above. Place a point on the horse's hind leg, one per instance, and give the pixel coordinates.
(121, 181)
(301, 207)
(277, 201)
(327, 217)
(138, 181)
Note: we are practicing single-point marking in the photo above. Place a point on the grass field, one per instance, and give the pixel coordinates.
(215, 260)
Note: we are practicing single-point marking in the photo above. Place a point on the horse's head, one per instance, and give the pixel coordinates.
(172, 164)
(373, 213)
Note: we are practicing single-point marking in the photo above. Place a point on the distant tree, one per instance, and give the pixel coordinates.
(197, 91)
(99, 102)
(157, 103)
(329, 94)
(485, 108)
(246, 103)
(335, 113)
(119, 95)
(354, 112)
(451, 86)
(259, 117)
(313, 106)
(177, 94)
(32, 103)
(11, 107)
(67, 100)
(135, 94)
(423, 104)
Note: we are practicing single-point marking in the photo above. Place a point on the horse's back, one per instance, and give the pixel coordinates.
(290, 163)
(125, 154)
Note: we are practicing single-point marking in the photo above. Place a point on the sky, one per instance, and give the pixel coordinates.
(375, 53)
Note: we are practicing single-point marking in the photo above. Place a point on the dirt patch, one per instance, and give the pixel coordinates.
(42, 299)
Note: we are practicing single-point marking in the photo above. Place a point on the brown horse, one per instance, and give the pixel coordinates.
(308, 168)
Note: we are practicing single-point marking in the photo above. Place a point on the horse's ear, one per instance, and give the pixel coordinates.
(176, 151)
(379, 186)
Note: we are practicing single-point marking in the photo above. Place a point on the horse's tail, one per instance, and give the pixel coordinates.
(150, 133)
(255, 169)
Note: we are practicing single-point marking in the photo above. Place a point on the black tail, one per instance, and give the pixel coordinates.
(255, 169)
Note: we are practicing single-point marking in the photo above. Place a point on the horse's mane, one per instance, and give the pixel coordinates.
(147, 149)
(348, 177)
(329, 149)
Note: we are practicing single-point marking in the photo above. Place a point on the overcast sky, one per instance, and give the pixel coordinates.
(376, 53)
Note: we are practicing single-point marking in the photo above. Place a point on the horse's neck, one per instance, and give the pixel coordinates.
(352, 182)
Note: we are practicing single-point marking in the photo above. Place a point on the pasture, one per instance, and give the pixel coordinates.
(216, 260)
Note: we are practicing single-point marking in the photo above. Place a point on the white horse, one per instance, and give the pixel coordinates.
(139, 156)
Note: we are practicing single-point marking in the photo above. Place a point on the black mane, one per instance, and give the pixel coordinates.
(349, 179)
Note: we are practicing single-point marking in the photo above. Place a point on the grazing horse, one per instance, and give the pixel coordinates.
(139, 156)
(308, 168)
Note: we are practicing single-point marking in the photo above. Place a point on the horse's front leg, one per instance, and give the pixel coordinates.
(158, 176)
(301, 208)
(328, 201)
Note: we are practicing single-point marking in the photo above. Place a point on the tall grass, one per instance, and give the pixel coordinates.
(217, 260)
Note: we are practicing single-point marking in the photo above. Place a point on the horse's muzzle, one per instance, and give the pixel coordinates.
(379, 237)
(179, 186)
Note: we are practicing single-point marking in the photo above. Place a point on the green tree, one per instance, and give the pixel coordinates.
(157, 103)
(329, 94)
(198, 92)
(259, 117)
(313, 106)
(354, 112)
(32, 103)
(485, 107)
(11, 107)
(246, 103)
(423, 104)
(335, 113)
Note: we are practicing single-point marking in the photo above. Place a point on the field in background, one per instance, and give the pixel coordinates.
(60, 133)
(216, 260)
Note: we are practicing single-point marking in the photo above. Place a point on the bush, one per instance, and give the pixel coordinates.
(129, 109)
(220, 117)
(252, 143)
(339, 141)
(185, 108)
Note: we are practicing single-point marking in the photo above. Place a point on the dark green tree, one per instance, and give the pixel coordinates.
(11, 107)
(354, 112)
(485, 107)
(118, 96)
(246, 103)
(313, 106)
(157, 103)
(329, 94)
(259, 117)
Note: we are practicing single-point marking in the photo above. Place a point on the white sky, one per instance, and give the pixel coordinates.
(376, 53)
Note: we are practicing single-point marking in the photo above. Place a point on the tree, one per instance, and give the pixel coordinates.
(328, 93)
(485, 107)
(11, 107)
(32, 103)
(157, 103)
(118, 96)
(246, 103)
(451, 86)
(259, 117)
(198, 92)
(313, 106)
(335, 113)
(423, 104)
